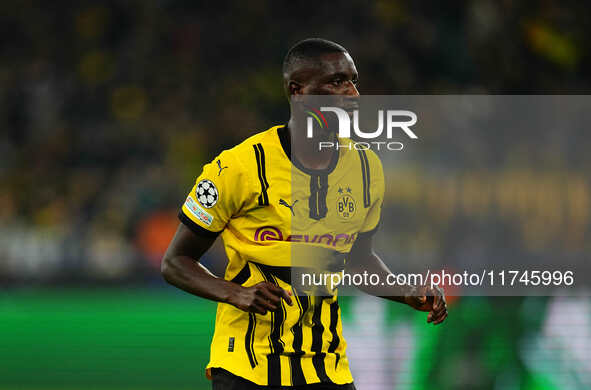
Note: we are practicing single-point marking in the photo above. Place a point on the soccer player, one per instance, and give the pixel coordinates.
(264, 196)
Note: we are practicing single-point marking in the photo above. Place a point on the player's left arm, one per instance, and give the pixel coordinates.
(363, 258)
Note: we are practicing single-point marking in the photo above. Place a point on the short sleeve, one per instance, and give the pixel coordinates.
(218, 194)
(376, 192)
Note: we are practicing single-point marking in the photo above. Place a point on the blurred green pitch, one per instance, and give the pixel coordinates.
(104, 339)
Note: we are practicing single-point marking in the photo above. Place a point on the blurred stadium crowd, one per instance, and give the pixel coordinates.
(109, 110)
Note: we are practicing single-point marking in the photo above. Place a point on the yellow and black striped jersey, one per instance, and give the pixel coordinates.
(267, 209)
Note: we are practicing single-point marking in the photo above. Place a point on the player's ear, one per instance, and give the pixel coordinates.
(294, 88)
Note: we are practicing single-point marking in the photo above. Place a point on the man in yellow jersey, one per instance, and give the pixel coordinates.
(267, 196)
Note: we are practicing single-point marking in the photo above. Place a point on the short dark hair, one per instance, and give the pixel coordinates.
(309, 49)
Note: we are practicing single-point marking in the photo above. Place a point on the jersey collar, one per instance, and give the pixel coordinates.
(285, 140)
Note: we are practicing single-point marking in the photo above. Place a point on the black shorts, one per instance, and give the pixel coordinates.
(224, 380)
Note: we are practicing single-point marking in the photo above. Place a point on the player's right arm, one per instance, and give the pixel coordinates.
(220, 193)
(181, 268)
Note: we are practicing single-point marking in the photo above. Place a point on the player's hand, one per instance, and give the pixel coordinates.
(425, 298)
(260, 298)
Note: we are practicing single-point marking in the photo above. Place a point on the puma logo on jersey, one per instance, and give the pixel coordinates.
(284, 203)
(220, 167)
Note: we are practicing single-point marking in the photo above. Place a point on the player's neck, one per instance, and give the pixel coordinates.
(306, 150)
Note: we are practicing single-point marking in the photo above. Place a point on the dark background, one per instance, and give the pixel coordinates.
(107, 113)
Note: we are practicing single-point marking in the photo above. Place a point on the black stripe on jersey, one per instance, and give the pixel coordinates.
(295, 361)
(273, 370)
(366, 178)
(198, 230)
(242, 276)
(249, 339)
(317, 200)
(260, 156)
(280, 273)
(334, 318)
(275, 343)
(263, 169)
(317, 330)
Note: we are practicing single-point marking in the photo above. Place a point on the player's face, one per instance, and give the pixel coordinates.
(335, 74)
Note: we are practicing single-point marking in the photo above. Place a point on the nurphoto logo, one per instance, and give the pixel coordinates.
(394, 119)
